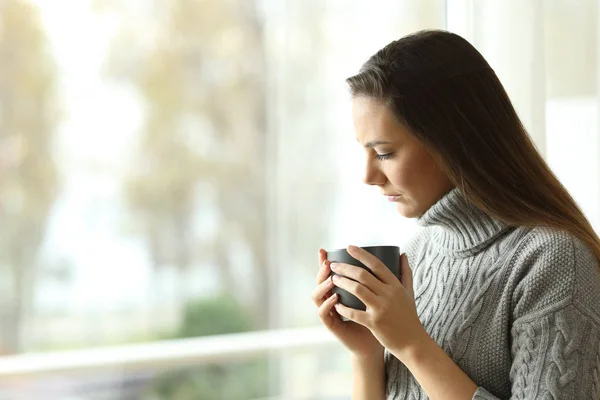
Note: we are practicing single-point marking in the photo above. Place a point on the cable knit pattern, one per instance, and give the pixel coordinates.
(518, 309)
(525, 354)
(596, 376)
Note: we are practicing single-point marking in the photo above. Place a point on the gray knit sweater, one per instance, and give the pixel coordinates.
(518, 309)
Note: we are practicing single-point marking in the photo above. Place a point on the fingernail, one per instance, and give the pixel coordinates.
(333, 266)
(335, 278)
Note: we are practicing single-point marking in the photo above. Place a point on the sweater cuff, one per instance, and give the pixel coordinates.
(482, 394)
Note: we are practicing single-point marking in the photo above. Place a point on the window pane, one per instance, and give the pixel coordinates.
(169, 170)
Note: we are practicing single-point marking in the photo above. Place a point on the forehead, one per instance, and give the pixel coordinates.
(373, 120)
(369, 108)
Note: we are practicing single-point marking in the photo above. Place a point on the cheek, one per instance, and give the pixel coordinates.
(415, 170)
(403, 174)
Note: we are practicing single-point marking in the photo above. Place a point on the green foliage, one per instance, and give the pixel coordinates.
(234, 381)
(214, 316)
(229, 381)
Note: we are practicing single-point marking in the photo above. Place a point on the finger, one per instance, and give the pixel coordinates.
(358, 274)
(358, 316)
(355, 288)
(373, 263)
(322, 256)
(406, 274)
(325, 308)
(324, 272)
(319, 294)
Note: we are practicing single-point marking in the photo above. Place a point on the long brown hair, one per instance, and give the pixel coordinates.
(444, 91)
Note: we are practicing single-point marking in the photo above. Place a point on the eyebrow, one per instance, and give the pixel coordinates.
(374, 143)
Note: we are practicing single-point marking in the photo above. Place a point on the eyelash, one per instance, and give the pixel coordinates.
(382, 157)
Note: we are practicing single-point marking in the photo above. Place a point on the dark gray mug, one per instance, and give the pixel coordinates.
(389, 256)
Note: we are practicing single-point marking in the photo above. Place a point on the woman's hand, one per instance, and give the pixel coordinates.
(391, 313)
(356, 338)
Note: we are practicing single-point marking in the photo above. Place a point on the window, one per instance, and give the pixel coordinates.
(168, 170)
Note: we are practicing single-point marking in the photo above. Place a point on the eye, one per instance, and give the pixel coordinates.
(382, 157)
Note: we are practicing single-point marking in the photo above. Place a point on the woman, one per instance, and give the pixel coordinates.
(506, 300)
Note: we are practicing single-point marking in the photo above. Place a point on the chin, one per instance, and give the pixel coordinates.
(407, 211)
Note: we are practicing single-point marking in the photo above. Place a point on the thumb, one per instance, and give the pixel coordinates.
(406, 276)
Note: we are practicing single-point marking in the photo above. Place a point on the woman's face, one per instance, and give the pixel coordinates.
(397, 162)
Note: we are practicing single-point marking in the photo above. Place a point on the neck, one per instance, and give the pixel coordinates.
(459, 228)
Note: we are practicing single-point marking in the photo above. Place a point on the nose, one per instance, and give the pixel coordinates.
(373, 175)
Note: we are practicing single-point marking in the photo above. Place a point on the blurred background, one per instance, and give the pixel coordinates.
(169, 169)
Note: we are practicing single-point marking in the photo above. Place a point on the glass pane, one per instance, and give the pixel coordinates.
(169, 170)
(571, 37)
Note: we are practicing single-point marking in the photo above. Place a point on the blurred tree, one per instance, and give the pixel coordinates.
(231, 380)
(28, 175)
(204, 317)
(199, 68)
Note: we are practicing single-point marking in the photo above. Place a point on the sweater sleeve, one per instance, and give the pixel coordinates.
(555, 333)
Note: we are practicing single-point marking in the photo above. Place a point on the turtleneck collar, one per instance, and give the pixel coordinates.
(458, 227)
